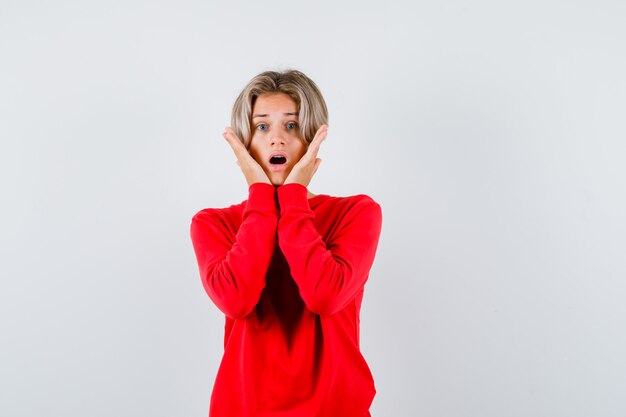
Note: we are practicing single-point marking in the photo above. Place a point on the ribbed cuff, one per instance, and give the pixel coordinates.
(292, 196)
(261, 197)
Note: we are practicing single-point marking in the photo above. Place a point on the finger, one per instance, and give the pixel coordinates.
(320, 135)
(231, 137)
(234, 142)
(314, 146)
(230, 133)
(316, 165)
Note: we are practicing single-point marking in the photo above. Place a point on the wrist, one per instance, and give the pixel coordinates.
(250, 183)
(292, 195)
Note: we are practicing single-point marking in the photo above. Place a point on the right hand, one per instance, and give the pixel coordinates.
(250, 168)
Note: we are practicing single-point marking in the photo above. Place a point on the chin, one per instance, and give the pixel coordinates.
(277, 182)
(278, 178)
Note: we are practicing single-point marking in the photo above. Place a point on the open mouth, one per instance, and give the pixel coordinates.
(278, 160)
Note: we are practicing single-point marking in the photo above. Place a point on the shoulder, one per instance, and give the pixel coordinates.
(349, 207)
(358, 201)
(226, 216)
(362, 200)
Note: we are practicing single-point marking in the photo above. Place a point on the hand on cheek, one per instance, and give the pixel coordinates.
(250, 168)
(305, 168)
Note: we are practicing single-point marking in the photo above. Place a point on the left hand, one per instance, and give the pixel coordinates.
(302, 172)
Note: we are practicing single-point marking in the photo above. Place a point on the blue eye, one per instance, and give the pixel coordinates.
(262, 126)
(292, 125)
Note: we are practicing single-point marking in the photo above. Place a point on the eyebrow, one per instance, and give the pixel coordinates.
(265, 115)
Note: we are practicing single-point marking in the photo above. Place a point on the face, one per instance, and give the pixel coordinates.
(276, 143)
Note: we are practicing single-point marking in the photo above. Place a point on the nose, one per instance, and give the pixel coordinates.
(277, 139)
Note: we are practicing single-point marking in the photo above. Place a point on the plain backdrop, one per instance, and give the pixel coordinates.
(492, 134)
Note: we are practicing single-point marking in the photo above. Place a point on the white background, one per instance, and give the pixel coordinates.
(492, 134)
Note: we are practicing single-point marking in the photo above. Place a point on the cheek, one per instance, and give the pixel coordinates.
(301, 151)
(255, 155)
(253, 150)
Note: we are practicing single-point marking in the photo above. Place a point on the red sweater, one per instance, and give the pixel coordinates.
(288, 273)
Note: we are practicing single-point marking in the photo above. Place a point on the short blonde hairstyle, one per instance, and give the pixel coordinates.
(312, 111)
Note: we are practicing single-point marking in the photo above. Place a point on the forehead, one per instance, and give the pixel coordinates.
(274, 103)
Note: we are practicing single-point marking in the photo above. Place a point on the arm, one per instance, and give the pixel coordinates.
(233, 267)
(329, 274)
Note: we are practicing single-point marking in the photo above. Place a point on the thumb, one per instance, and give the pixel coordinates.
(318, 161)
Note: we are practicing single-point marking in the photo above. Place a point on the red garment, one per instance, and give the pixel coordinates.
(290, 283)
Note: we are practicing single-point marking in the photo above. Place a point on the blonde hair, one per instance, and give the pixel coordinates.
(312, 111)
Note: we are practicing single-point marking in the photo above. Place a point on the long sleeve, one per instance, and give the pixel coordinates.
(233, 262)
(328, 274)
